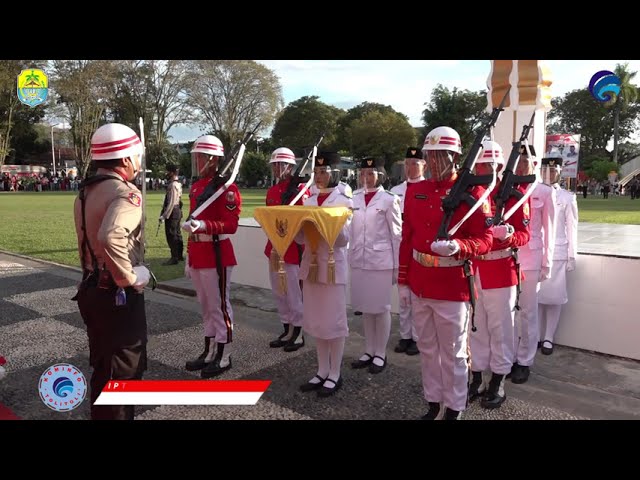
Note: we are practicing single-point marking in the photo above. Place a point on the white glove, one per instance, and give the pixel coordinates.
(404, 295)
(394, 279)
(502, 232)
(571, 265)
(545, 274)
(187, 270)
(192, 226)
(445, 248)
(142, 277)
(161, 220)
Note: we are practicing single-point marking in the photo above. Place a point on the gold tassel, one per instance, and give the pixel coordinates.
(282, 277)
(313, 269)
(274, 258)
(331, 268)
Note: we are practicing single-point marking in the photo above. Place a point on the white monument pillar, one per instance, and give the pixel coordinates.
(530, 82)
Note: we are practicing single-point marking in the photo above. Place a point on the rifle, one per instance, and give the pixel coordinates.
(143, 179)
(510, 179)
(143, 238)
(297, 179)
(221, 181)
(466, 178)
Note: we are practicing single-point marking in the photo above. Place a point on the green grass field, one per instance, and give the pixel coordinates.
(41, 224)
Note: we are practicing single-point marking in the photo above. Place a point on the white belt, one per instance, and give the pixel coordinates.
(496, 254)
(202, 237)
(427, 260)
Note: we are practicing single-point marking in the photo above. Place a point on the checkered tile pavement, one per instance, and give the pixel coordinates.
(41, 326)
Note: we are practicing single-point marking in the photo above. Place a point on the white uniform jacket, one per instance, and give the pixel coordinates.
(376, 231)
(539, 251)
(566, 223)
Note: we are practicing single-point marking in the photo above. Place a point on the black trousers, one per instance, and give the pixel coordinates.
(173, 233)
(117, 343)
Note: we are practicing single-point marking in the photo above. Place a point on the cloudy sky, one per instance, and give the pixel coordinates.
(404, 84)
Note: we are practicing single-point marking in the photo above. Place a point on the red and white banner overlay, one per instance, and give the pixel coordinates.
(182, 392)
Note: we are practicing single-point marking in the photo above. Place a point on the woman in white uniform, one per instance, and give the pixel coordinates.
(324, 303)
(376, 232)
(553, 292)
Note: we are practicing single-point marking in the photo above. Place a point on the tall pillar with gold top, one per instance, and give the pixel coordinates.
(530, 82)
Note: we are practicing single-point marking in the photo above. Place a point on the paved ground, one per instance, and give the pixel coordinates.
(609, 239)
(40, 326)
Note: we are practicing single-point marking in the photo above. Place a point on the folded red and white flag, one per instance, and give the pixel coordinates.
(182, 392)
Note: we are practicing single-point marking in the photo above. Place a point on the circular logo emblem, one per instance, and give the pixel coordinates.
(605, 87)
(62, 387)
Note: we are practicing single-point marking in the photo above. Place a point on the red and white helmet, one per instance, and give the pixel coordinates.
(208, 144)
(114, 141)
(443, 138)
(283, 154)
(491, 150)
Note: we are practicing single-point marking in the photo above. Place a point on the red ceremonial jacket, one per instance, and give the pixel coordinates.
(502, 272)
(421, 221)
(220, 218)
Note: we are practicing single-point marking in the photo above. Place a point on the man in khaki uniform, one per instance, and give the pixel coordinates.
(171, 216)
(108, 212)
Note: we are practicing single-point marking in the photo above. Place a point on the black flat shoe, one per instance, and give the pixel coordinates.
(309, 386)
(546, 350)
(373, 368)
(327, 392)
(362, 363)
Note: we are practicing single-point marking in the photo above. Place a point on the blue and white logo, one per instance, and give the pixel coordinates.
(62, 387)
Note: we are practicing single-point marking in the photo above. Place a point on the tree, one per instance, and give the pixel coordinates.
(159, 156)
(385, 135)
(344, 140)
(577, 112)
(600, 169)
(628, 94)
(15, 117)
(84, 88)
(254, 168)
(302, 121)
(461, 110)
(232, 96)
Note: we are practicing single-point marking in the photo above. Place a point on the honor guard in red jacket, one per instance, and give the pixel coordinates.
(210, 257)
(289, 304)
(414, 166)
(432, 275)
(496, 281)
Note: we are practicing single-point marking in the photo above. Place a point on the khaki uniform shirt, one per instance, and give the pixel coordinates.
(113, 212)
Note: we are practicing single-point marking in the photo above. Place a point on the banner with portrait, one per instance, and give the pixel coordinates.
(567, 147)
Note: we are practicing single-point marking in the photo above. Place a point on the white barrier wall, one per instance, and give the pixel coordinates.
(601, 314)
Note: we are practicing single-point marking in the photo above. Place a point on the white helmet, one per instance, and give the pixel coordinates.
(443, 138)
(208, 144)
(489, 151)
(283, 154)
(114, 141)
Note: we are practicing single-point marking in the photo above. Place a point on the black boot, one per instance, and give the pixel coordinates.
(495, 395)
(452, 414)
(296, 341)
(221, 363)
(476, 389)
(434, 410)
(402, 345)
(412, 349)
(204, 358)
(279, 342)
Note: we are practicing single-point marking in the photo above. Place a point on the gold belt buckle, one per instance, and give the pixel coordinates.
(428, 260)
